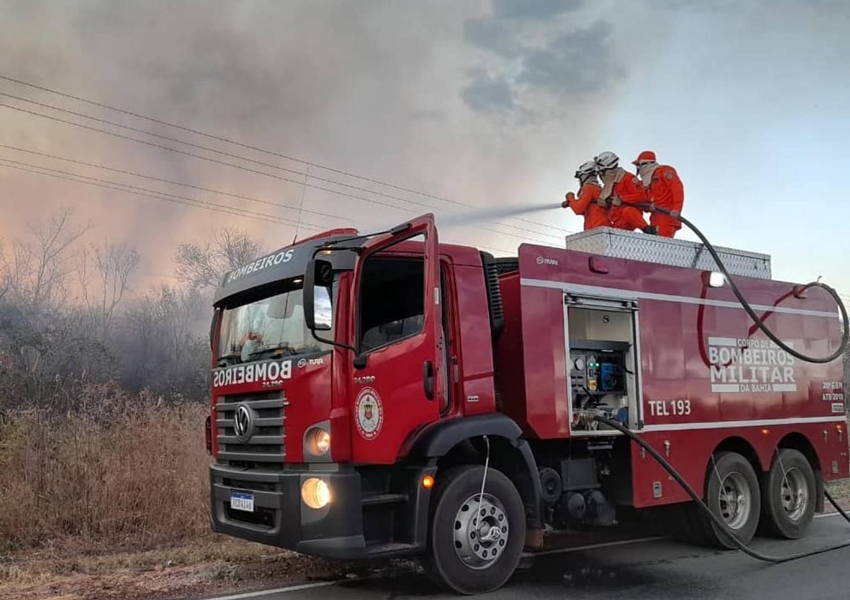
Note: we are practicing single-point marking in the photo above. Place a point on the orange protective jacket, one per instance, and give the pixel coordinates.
(585, 204)
(666, 190)
(630, 190)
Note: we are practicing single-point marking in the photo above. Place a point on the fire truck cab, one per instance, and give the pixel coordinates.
(389, 395)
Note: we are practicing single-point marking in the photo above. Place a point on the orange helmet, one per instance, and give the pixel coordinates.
(645, 156)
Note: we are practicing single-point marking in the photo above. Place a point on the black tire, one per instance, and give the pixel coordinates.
(782, 516)
(458, 488)
(742, 517)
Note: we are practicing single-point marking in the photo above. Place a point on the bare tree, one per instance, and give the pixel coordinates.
(203, 266)
(112, 267)
(36, 271)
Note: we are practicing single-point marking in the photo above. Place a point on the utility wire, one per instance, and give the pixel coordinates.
(148, 193)
(258, 149)
(238, 157)
(169, 181)
(243, 168)
(121, 187)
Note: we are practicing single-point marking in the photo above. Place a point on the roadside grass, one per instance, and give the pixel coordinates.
(840, 490)
(122, 471)
(112, 500)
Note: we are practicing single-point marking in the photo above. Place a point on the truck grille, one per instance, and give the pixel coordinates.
(265, 448)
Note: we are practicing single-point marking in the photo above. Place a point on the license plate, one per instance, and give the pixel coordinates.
(242, 501)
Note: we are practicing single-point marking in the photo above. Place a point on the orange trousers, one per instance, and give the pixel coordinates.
(627, 217)
(595, 216)
(666, 225)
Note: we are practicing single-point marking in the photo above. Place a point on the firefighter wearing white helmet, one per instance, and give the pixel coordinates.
(619, 190)
(587, 204)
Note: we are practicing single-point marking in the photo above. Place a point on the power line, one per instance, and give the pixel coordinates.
(238, 157)
(257, 149)
(67, 176)
(73, 177)
(58, 174)
(243, 168)
(169, 181)
(198, 156)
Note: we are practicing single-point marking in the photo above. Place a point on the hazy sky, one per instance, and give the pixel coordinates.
(488, 103)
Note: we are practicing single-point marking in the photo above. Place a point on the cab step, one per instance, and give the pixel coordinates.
(392, 550)
(381, 499)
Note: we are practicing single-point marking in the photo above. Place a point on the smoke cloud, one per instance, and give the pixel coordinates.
(423, 95)
(489, 103)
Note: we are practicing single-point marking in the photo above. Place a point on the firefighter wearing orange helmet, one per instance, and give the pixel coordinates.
(619, 190)
(664, 189)
(588, 193)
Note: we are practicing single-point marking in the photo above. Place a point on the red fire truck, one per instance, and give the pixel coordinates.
(388, 395)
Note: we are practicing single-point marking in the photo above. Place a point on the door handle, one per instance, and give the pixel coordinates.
(428, 379)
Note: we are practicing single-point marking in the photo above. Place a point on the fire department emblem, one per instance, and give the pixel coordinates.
(370, 415)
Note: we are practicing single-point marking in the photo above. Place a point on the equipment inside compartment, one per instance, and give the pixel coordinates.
(601, 366)
(596, 373)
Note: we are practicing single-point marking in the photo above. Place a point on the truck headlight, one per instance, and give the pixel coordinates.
(318, 441)
(315, 493)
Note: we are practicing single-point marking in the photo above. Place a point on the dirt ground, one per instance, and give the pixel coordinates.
(197, 569)
(206, 567)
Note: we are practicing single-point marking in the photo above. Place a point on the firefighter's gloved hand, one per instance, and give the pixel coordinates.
(570, 197)
(603, 202)
(615, 201)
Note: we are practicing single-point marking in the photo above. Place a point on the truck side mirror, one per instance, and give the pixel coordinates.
(318, 308)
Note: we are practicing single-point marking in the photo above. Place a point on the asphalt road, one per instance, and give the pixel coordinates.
(653, 569)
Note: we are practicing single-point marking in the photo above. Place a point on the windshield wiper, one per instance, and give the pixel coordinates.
(228, 359)
(283, 349)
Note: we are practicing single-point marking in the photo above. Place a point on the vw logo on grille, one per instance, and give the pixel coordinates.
(243, 423)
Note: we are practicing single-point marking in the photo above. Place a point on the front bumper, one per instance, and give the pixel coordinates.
(281, 518)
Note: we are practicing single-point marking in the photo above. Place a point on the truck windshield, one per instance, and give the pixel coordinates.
(273, 326)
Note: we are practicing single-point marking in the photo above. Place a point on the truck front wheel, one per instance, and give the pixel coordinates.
(474, 542)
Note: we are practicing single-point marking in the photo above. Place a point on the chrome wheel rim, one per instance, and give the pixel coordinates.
(481, 534)
(794, 494)
(735, 500)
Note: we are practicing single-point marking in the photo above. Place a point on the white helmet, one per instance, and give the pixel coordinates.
(607, 160)
(585, 170)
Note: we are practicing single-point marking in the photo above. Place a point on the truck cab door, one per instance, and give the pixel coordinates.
(398, 382)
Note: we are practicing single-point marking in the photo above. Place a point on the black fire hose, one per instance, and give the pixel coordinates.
(704, 507)
(743, 301)
(845, 336)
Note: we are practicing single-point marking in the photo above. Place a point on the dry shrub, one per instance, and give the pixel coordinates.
(119, 470)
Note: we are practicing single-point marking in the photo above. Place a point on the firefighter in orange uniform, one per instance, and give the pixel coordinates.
(664, 189)
(619, 190)
(588, 194)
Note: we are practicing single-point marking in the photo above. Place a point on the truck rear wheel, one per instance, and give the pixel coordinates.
(732, 493)
(474, 542)
(789, 496)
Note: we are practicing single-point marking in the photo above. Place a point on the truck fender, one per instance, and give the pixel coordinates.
(437, 439)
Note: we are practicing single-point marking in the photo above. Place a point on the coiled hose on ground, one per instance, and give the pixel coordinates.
(743, 301)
